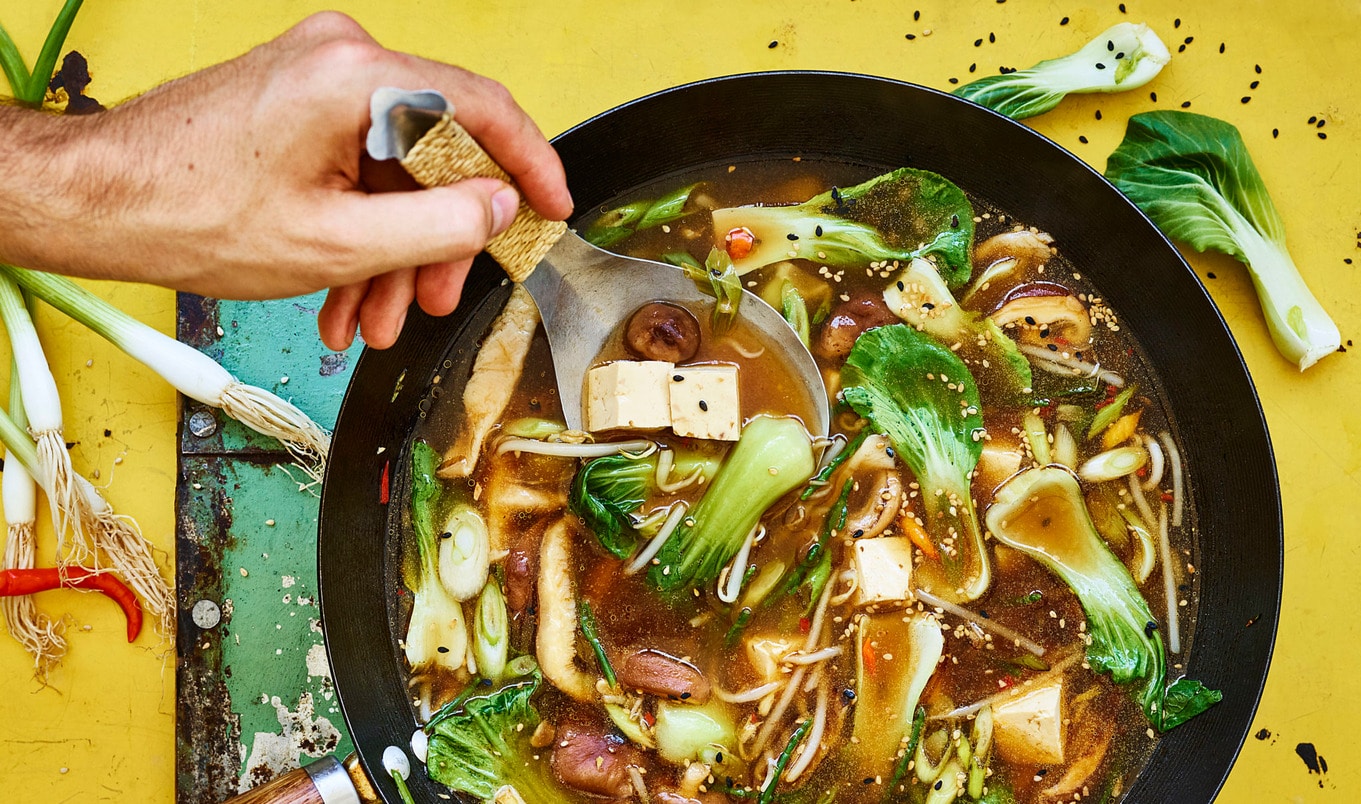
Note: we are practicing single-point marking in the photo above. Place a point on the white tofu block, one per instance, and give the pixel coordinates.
(765, 653)
(628, 394)
(704, 402)
(1028, 729)
(884, 569)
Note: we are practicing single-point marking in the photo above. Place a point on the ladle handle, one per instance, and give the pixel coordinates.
(447, 154)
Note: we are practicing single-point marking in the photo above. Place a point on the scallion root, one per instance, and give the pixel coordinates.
(40, 635)
(266, 413)
(120, 540)
(57, 479)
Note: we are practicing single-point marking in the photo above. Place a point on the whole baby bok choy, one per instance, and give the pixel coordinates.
(773, 457)
(191, 372)
(919, 394)
(437, 635)
(1122, 57)
(900, 215)
(1041, 513)
(1193, 176)
(483, 747)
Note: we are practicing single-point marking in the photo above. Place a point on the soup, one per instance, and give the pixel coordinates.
(976, 586)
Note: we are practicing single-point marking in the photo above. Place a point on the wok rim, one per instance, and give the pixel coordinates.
(1178, 764)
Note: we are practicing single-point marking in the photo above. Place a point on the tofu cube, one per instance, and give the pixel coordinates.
(884, 569)
(628, 394)
(704, 402)
(1028, 728)
(765, 652)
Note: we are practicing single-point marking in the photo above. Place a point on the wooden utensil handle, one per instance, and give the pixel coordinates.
(323, 782)
(447, 154)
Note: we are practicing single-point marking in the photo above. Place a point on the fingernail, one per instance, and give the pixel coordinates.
(504, 203)
(397, 330)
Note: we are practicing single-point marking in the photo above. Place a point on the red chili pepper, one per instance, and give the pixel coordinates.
(383, 484)
(17, 582)
(1142, 471)
(1167, 496)
(871, 661)
(648, 719)
(805, 625)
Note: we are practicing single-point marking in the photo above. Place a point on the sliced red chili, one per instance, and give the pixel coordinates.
(18, 582)
(383, 484)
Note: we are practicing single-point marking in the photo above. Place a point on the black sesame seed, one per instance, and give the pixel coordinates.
(954, 221)
(773, 44)
(992, 38)
(1122, 8)
(1211, 275)
(1322, 136)
(1188, 40)
(678, 377)
(858, 533)
(1041, 772)
(916, 15)
(1312, 119)
(703, 405)
(1082, 139)
(1221, 47)
(939, 784)
(1110, 45)
(792, 236)
(817, 230)
(1153, 96)
(983, 613)
(978, 43)
(1044, 333)
(1258, 68)
(1053, 347)
(1120, 55)
(928, 306)
(442, 649)
(1275, 132)
(685, 696)
(719, 757)
(1181, 48)
(973, 66)
(1149, 628)
(1254, 84)
(848, 694)
(1247, 98)
(900, 286)
(954, 80)
(1030, 319)
(1176, 23)
(446, 535)
(1320, 123)
(1186, 104)
(1063, 21)
(869, 780)
(1347, 260)
(1098, 114)
(890, 453)
(911, 36)
(1100, 66)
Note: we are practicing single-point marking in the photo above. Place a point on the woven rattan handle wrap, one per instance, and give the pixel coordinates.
(448, 154)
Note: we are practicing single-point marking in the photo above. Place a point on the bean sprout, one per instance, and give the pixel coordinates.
(1169, 582)
(1053, 363)
(748, 696)
(973, 708)
(636, 776)
(854, 579)
(1174, 456)
(734, 573)
(813, 743)
(1155, 470)
(742, 350)
(982, 622)
(1140, 501)
(560, 450)
(800, 658)
(653, 547)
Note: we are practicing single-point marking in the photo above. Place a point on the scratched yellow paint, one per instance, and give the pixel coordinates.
(105, 731)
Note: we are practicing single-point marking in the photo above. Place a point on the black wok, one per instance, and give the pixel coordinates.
(881, 124)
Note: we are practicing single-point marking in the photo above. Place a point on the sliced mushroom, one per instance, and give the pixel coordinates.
(557, 640)
(662, 674)
(1029, 249)
(662, 331)
(1041, 311)
(593, 761)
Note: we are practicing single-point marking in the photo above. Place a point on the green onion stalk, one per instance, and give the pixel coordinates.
(191, 372)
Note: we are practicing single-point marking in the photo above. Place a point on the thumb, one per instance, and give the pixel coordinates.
(385, 231)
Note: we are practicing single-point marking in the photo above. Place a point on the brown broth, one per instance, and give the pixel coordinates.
(1023, 595)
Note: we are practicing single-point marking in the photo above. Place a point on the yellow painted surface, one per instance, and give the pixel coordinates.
(105, 731)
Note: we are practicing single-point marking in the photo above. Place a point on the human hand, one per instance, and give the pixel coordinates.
(249, 180)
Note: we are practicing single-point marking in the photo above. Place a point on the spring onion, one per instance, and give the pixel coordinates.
(191, 372)
(491, 632)
(39, 635)
(1113, 464)
(1107, 415)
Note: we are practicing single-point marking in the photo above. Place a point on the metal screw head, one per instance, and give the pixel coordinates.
(206, 614)
(202, 423)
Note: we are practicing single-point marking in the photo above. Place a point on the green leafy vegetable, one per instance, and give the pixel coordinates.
(436, 635)
(1041, 513)
(591, 631)
(887, 692)
(919, 297)
(1193, 176)
(1125, 56)
(812, 571)
(484, 746)
(767, 794)
(795, 310)
(606, 492)
(637, 216)
(896, 216)
(919, 394)
(773, 456)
